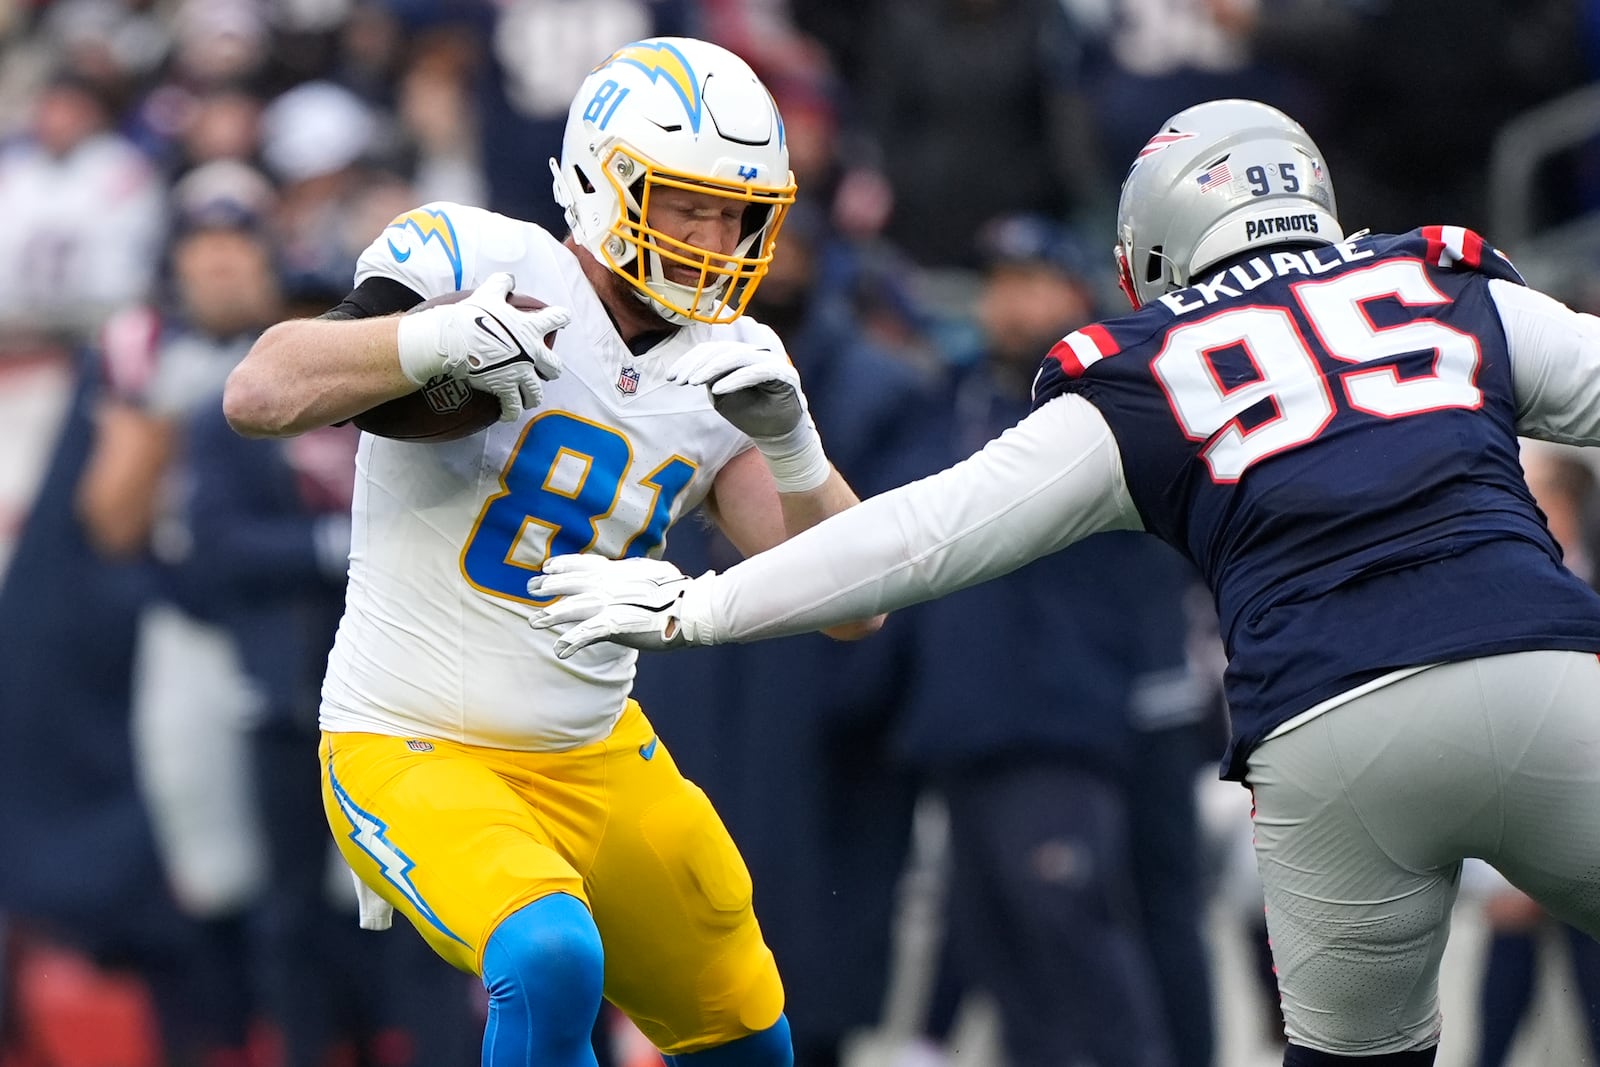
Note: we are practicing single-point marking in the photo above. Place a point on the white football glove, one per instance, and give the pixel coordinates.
(487, 343)
(646, 604)
(758, 390)
(755, 388)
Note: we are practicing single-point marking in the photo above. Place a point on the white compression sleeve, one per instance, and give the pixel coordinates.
(1050, 480)
(1555, 364)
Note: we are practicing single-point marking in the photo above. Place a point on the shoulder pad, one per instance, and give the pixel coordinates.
(1082, 349)
(427, 248)
(1460, 249)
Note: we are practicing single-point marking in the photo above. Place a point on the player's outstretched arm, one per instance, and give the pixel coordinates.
(757, 389)
(312, 372)
(1053, 479)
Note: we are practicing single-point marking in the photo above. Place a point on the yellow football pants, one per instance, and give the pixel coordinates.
(458, 837)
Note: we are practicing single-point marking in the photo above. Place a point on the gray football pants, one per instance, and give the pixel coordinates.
(1364, 814)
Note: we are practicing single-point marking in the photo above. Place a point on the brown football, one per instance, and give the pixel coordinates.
(445, 409)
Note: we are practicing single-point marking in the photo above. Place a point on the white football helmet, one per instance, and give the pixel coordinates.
(1220, 178)
(685, 114)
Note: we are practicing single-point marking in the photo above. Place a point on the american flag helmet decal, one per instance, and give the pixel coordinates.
(1215, 178)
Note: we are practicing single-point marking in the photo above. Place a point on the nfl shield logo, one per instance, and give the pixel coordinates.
(419, 746)
(628, 381)
(445, 394)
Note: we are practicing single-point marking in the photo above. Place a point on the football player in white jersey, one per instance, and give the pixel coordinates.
(517, 808)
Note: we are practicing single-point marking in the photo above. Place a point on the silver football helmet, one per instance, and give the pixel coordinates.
(1220, 178)
(672, 112)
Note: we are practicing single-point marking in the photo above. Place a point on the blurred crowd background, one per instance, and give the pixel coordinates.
(989, 836)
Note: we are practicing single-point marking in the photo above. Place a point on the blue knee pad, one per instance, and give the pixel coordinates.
(543, 967)
(766, 1048)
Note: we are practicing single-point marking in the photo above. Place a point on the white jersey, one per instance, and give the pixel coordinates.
(83, 234)
(435, 639)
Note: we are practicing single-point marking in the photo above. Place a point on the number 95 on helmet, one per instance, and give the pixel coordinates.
(1219, 179)
(675, 113)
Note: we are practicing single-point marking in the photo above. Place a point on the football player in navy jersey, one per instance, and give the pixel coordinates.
(1326, 426)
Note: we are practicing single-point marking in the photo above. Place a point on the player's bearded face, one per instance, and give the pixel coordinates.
(709, 222)
(695, 246)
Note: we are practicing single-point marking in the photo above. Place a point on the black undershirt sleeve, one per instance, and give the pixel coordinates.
(375, 297)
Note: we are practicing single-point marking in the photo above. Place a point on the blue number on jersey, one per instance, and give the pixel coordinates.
(527, 497)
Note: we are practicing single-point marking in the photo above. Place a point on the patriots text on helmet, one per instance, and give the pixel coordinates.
(1254, 228)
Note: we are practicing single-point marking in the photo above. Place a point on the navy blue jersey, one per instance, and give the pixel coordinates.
(1329, 435)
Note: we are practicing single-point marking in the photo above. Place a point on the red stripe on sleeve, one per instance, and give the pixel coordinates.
(1435, 238)
(1063, 354)
(1471, 249)
(1103, 341)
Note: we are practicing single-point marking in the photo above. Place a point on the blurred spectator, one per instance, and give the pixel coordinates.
(372, 53)
(112, 44)
(191, 699)
(206, 103)
(833, 167)
(80, 866)
(752, 28)
(86, 216)
(223, 189)
(1144, 60)
(319, 139)
(36, 387)
(439, 121)
(975, 116)
(219, 42)
(539, 52)
(315, 131)
(1409, 138)
(837, 25)
(221, 124)
(1075, 898)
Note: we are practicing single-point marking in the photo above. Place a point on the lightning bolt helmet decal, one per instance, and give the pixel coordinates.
(663, 59)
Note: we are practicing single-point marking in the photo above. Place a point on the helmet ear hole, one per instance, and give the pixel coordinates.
(1152, 264)
(583, 179)
(753, 221)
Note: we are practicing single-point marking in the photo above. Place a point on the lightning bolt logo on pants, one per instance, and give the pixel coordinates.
(369, 835)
